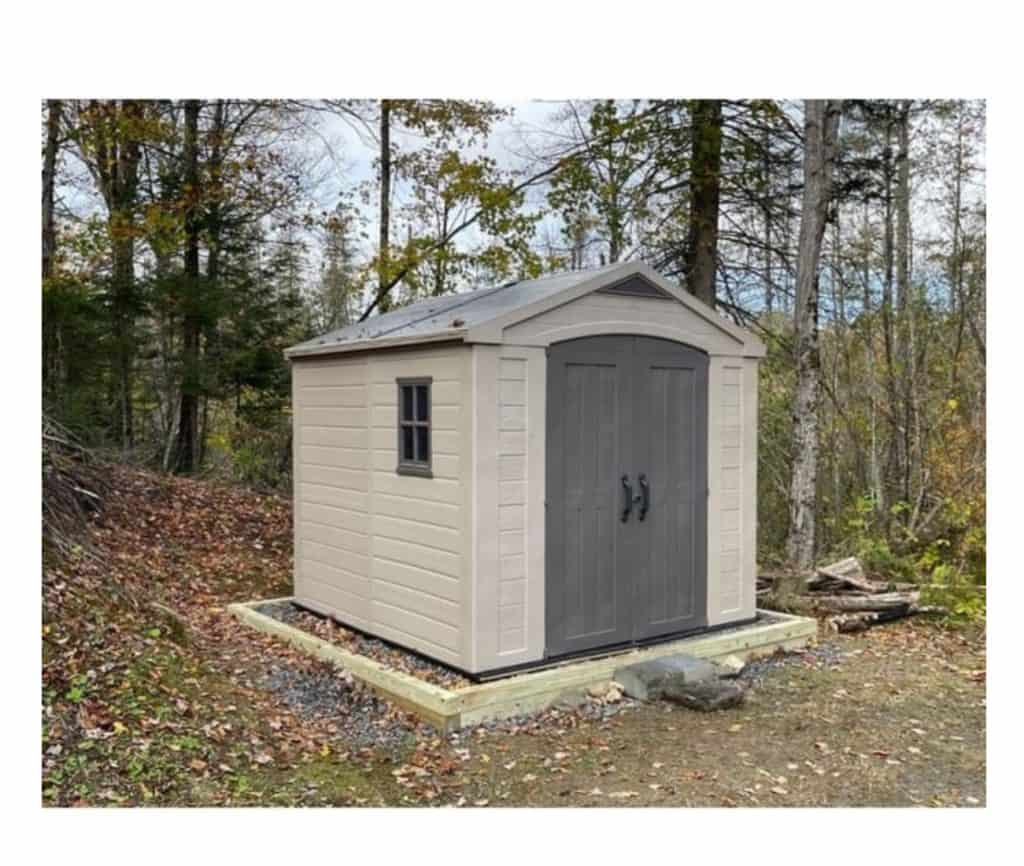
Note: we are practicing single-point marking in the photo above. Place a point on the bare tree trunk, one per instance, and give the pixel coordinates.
(705, 182)
(188, 419)
(904, 311)
(49, 240)
(126, 154)
(821, 133)
(384, 255)
(49, 176)
(211, 346)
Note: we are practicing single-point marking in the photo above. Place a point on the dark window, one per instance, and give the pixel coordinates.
(414, 427)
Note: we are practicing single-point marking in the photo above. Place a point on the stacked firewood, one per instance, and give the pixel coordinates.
(851, 600)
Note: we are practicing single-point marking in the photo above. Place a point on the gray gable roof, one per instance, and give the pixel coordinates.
(453, 316)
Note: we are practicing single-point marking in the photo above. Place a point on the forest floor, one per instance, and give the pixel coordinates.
(176, 703)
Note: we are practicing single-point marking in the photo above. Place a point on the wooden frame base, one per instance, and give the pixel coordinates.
(518, 694)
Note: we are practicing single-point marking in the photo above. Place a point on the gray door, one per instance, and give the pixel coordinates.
(625, 561)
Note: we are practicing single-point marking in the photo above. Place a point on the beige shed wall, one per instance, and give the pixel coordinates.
(384, 552)
(732, 489)
(508, 511)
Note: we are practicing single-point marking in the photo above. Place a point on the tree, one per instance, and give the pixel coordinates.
(821, 133)
(705, 179)
(53, 117)
(109, 135)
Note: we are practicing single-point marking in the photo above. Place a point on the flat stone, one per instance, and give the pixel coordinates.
(646, 681)
(706, 696)
(730, 666)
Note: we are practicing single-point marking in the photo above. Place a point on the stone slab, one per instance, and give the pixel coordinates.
(646, 681)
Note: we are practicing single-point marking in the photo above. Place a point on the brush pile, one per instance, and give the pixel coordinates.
(73, 486)
(851, 600)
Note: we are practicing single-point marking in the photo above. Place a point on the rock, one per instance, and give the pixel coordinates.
(707, 695)
(730, 666)
(646, 681)
(598, 691)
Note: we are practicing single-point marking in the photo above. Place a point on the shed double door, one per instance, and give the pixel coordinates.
(626, 491)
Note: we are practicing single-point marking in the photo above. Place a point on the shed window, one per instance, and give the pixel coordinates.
(414, 427)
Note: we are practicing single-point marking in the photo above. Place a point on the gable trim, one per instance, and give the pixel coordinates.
(493, 330)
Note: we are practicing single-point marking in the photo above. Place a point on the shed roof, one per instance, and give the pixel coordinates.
(480, 314)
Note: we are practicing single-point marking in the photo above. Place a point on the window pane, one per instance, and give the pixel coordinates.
(406, 392)
(407, 445)
(422, 403)
(423, 444)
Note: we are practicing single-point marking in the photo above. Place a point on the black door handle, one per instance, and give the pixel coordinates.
(645, 494)
(627, 506)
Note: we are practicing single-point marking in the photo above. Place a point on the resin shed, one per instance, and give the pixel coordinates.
(531, 471)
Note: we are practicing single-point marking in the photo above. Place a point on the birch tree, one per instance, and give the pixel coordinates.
(821, 134)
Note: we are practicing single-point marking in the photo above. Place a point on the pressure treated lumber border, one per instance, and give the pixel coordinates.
(450, 709)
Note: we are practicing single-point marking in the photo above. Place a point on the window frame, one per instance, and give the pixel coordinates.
(419, 468)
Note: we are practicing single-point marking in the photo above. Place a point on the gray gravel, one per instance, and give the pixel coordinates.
(322, 692)
(824, 655)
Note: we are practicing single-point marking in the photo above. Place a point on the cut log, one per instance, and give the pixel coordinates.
(886, 601)
(854, 622)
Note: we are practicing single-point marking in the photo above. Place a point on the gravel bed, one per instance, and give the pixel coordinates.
(378, 650)
(823, 655)
(323, 693)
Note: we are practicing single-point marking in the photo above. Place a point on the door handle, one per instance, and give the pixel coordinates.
(645, 495)
(627, 506)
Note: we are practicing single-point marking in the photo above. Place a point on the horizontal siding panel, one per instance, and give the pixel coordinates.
(410, 553)
(512, 592)
(335, 437)
(446, 393)
(438, 365)
(386, 617)
(333, 372)
(322, 494)
(447, 417)
(512, 442)
(412, 509)
(511, 543)
(334, 574)
(335, 416)
(512, 567)
(342, 518)
(512, 393)
(512, 418)
(512, 493)
(432, 489)
(345, 560)
(415, 577)
(345, 479)
(511, 467)
(441, 537)
(511, 517)
(353, 542)
(333, 395)
(417, 602)
(344, 458)
(353, 585)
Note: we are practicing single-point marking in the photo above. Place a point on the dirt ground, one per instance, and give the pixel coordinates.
(175, 703)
